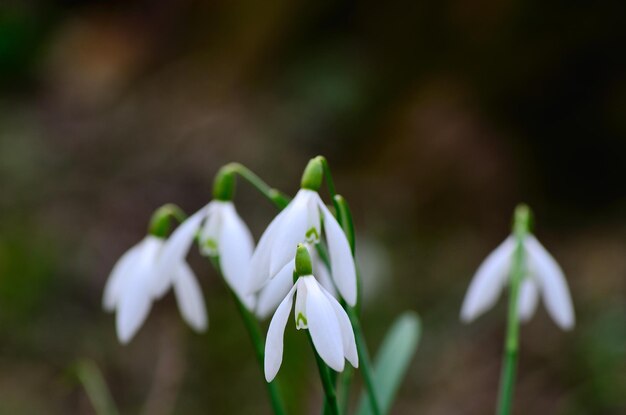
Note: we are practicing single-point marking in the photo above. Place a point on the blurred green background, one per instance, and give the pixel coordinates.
(437, 118)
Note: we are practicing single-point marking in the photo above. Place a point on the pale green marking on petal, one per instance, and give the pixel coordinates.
(301, 322)
(312, 236)
(210, 246)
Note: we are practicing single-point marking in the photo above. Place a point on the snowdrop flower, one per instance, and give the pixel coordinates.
(277, 288)
(301, 222)
(319, 312)
(221, 232)
(135, 283)
(543, 275)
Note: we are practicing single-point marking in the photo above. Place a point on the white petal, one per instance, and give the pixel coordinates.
(148, 260)
(551, 279)
(488, 281)
(119, 275)
(176, 249)
(323, 326)
(300, 312)
(322, 273)
(235, 247)
(189, 297)
(209, 233)
(347, 334)
(275, 334)
(274, 291)
(259, 271)
(313, 229)
(291, 232)
(133, 306)
(528, 297)
(343, 270)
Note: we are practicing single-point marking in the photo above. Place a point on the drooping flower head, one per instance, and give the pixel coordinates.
(220, 232)
(302, 221)
(315, 310)
(543, 275)
(137, 280)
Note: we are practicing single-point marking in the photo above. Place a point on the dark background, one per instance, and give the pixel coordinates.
(437, 118)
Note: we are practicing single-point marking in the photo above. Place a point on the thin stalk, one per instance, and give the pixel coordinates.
(96, 388)
(160, 221)
(345, 220)
(511, 344)
(344, 217)
(330, 403)
(344, 395)
(365, 363)
(330, 183)
(254, 331)
(274, 195)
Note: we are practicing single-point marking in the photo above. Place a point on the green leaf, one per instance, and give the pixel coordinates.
(392, 362)
(96, 388)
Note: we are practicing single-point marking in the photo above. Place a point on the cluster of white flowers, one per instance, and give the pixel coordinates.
(266, 278)
(262, 278)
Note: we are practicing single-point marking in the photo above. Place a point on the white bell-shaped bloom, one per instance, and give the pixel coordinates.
(542, 276)
(320, 313)
(277, 288)
(221, 232)
(301, 222)
(135, 283)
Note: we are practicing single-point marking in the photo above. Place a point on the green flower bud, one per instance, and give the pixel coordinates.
(522, 220)
(303, 261)
(224, 184)
(313, 175)
(160, 221)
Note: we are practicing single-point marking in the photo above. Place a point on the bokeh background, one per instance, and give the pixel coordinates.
(437, 118)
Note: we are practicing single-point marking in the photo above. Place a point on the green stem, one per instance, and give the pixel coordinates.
(344, 217)
(96, 388)
(344, 396)
(330, 183)
(160, 221)
(511, 346)
(345, 220)
(365, 363)
(274, 195)
(254, 331)
(330, 403)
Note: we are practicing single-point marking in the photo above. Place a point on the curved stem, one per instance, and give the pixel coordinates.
(160, 220)
(254, 331)
(274, 195)
(511, 345)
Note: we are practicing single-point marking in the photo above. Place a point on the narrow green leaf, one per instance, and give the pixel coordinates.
(392, 361)
(96, 388)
